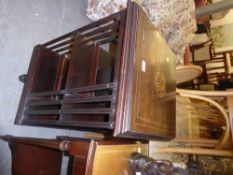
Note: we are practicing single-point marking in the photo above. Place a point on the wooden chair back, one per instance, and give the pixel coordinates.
(209, 125)
(214, 69)
(202, 51)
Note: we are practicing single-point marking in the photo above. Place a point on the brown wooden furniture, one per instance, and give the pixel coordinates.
(216, 65)
(202, 51)
(186, 76)
(186, 73)
(33, 156)
(116, 75)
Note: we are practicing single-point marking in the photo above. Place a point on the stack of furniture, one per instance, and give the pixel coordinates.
(217, 67)
(115, 77)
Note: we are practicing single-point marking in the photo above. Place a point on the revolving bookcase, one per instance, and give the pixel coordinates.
(115, 75)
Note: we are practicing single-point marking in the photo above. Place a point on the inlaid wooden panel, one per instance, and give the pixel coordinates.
(153, 105)
(119, 156)
(149, 107)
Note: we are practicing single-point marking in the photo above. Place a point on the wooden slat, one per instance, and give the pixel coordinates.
(102, 36)
(92, 124)
(93, 88)
(48, 93)
(106, 125)
(64, 48)
(88, 27)
(107, 40)
(204, 107)
(45, 103)
(70, 41)
(88, 111)
(39, 122)
(101, 29)
(213, 68)
(100, 22)
(76, 90)
(89, 99)
(42, 112)
(59, 38)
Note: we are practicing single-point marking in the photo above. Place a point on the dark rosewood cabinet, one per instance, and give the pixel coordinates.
(115, 75)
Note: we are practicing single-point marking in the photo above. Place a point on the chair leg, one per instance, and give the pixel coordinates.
(230, 108)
